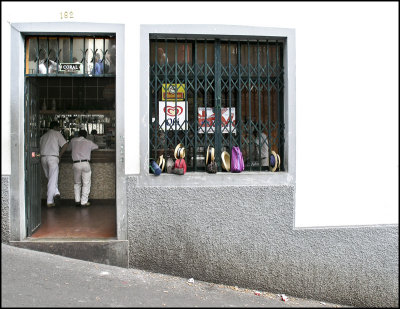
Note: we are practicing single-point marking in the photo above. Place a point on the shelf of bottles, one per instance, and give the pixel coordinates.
(101, 123)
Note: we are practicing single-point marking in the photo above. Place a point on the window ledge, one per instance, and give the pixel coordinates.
(203, 179)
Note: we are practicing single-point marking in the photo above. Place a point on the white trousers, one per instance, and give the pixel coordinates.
(82, 181)
(50, 167)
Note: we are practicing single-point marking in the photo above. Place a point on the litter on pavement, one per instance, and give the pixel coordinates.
(283, 297)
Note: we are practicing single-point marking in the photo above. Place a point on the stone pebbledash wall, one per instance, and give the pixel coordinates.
(5, 209)
(245, 236)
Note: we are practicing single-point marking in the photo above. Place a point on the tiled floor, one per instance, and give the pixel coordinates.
(68, 221)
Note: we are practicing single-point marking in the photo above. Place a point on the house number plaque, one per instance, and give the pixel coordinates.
(65, 15)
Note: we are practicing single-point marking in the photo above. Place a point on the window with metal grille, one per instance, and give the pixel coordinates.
(60, 55)
(220, 93)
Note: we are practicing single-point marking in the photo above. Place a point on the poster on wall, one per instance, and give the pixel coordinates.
(172, 89)
(172, 113)
(208, 117)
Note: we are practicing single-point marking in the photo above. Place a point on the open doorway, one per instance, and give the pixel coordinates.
(78, 102)
(47, 50)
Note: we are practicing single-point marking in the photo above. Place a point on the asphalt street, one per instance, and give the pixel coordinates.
(37, 279)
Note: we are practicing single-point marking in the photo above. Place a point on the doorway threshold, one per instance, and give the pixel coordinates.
(109, 251)
(61, 239)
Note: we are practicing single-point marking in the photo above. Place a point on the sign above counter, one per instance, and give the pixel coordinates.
(71, 67)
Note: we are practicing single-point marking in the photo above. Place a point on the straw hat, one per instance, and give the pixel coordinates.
(161, 162)
(179, 152)
(226, 161)
(210, 152)
(279, 162)
(273, 161)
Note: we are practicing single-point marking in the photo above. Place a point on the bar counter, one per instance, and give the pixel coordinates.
(102, 164)
(97, 156)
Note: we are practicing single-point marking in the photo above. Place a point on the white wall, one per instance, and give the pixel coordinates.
(346, 92)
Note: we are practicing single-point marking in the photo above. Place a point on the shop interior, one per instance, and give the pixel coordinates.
(77, 103)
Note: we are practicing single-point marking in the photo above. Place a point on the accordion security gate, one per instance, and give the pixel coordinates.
(216, 92)
(32, 158)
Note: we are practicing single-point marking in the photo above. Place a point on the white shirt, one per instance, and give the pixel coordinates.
(81, 148)
(42, 68)
(51, 142)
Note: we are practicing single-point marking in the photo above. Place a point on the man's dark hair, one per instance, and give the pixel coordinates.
(82, 133)
(54, 124)
(42, 54)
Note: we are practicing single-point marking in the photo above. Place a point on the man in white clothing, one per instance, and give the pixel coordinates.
(50, 153)
(81, 150)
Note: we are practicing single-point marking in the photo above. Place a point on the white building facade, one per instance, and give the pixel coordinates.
(299, 230)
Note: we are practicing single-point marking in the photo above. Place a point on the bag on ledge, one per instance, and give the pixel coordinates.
(237, 164)
(180, 164)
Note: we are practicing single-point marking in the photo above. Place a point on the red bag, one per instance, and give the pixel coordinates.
(180, 163)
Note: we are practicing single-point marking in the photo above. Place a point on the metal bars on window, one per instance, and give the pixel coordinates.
(70, 56)
(220, 93)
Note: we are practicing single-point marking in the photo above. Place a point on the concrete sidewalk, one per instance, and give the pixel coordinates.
(36, 279)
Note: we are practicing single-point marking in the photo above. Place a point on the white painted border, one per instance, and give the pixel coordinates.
(198, 179)
(18, 31)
